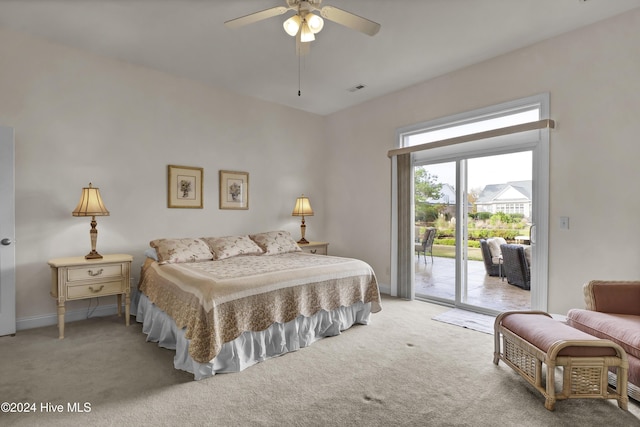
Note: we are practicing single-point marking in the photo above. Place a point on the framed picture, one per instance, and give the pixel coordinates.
(185, 187)
(234, 190)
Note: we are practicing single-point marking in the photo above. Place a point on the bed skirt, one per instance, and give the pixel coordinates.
(250, 347)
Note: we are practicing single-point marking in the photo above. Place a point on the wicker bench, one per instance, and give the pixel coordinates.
(531, 338)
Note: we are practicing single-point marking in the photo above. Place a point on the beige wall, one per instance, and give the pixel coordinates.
(81, 118)
(593, 77)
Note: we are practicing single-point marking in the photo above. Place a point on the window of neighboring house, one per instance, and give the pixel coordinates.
(510, 207)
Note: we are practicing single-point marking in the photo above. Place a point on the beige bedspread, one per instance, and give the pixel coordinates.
(218, 300)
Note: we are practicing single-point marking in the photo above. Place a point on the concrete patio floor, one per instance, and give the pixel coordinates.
(437, 281)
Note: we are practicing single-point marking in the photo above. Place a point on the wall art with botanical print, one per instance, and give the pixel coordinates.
(185, 187)
(234, 190)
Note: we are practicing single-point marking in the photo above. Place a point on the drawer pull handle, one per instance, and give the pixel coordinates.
(97, 273)
(95, 291)
(313, 251)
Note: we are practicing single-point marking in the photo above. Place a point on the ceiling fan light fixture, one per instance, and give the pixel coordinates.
(292, 25)
(315, 22)
(306, 35)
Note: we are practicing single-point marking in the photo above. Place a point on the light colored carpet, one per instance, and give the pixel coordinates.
(402, 369)
(467, 319)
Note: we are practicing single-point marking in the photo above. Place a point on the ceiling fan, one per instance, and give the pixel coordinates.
(305, 24)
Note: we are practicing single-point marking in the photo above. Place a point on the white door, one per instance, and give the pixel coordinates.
(7, 234)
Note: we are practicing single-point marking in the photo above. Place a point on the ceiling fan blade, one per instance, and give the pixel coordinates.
(255, 17)
(350, 20)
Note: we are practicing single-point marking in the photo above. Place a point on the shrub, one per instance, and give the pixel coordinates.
(445, 242)
(483, 216)
(426, 213)
(501, 217)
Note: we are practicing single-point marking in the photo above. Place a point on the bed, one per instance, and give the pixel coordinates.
(226, 303)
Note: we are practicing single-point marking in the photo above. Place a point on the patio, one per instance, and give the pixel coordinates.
(437, 280)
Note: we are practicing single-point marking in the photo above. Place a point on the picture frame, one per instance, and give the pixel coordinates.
(234, 190)
(185, 187)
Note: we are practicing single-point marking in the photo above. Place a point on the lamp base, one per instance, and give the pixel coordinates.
(93, 255)
(303, 228)
(93, 234)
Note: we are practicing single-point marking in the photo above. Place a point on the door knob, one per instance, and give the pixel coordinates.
(5, 242)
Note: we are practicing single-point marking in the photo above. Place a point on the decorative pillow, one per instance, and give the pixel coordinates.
(494, 247)
(226, 247)
(172, 251)
(151, 253)
(276, 242)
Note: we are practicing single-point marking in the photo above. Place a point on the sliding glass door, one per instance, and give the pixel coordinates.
(479, 179)
(466, 201)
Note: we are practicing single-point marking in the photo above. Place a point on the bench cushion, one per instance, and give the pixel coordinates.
(543, 331)
(623, 329)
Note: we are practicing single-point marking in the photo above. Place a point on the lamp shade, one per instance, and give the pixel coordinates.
(315, 22)
(306, 35)
(90, 204)
(302, 207)
(292, 25)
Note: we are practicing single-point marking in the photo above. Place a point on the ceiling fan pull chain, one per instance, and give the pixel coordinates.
(298, 75)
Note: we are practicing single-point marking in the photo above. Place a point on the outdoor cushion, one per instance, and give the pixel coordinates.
(494, 247)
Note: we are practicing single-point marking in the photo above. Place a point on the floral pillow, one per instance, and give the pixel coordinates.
(227, 247)
(275, 242)
(172, 251)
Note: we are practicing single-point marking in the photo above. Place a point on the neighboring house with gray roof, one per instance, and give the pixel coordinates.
(511, 197)
(447, 196)
(447, 200)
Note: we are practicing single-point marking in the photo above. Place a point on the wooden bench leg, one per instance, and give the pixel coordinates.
(622, 387)
(550, 398)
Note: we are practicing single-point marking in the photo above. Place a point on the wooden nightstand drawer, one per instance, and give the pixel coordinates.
(94, 290)
(75, 274)
(317, 248)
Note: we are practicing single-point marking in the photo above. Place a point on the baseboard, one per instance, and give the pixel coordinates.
(384, 289)
(70, 316)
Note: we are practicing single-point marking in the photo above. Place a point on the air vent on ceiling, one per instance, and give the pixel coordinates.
(356, 88)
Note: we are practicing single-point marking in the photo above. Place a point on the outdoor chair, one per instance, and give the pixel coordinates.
(492, 256)
(426, 244)
(515, 263)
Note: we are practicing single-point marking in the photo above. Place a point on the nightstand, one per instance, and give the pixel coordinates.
(318, 248)
(78, 278)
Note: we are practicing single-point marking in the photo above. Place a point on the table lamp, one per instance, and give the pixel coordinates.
(91, 205)
(302, 208)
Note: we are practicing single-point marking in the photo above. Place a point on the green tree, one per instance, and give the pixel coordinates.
(426, 187)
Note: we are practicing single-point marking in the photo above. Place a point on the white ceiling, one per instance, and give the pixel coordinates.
(419, 40)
